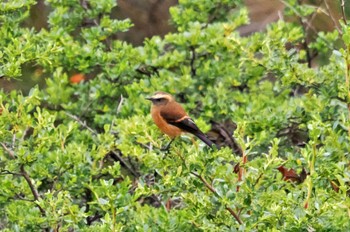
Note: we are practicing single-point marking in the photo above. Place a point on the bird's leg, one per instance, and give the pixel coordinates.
(166, 148)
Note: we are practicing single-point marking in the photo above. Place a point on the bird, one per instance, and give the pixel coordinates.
(172, 119)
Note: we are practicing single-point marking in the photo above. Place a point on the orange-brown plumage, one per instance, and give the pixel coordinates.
(165, 127)
(172, 119)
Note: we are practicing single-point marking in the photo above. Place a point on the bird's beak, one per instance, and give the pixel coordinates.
(149, 98)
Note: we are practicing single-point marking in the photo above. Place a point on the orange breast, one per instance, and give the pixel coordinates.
(166, 128)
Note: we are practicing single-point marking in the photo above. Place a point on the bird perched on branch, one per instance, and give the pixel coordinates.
(172, 119)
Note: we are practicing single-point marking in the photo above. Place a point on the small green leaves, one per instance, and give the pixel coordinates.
(83, 154)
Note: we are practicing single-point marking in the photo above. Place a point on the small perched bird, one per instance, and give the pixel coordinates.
(172, 119)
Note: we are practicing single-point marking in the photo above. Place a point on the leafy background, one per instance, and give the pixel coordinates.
(79, 152)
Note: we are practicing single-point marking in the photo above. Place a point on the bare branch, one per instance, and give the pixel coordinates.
(83, 124)
(234, 214)
(335, 22)
(7, 172)
(20, 197)
(117, 157)
(211, 188)
(32, 188)
(9, 151)
(308, 24)
(113, 154)
(343, 11)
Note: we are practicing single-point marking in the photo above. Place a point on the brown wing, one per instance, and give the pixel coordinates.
(174, 114)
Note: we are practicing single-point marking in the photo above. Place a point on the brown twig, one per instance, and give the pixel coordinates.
(211, 188)
(347, 81)
(258, 179)
(114, 155)
(20, 198)
(9, 151)
(7, 172)
(342, 6)
(241, 170)
(83, 124)
(32, 188)
(193, 58)
(307, 25)
(306, 43)
(335, 22)
(24, 174)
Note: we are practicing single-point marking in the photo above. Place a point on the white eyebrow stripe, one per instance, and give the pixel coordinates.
(158, 96)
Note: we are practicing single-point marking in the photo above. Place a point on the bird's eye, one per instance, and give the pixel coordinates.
(158, 100)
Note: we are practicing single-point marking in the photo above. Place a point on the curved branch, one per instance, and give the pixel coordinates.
(211, 188)
(32, 188)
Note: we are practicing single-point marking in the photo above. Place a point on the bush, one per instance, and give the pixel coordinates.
(83, 154)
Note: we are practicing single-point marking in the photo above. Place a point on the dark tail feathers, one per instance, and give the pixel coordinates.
(205, 139)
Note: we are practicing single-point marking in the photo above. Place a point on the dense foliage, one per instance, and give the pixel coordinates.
(86, 156)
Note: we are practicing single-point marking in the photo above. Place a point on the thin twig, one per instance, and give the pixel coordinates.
(306, 45)
(7, 172)
(178, 153)
(114, 154)
(14, 140)
(211, 188)
(297, 13)
(120, 104)
(81, 122)
(117, 157)
(241, 168)
(234, 214)
(148, 147)
(9, 151)
(258, 179)
(193, 58)
(335, 22)
(24, 174)
(347, 81)
(30, 183)
(19, 197)
(305, 25)
(343, 11)
(24, 134)
(32, 188)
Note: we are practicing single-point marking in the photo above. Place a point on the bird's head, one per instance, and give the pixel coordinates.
(160, 98)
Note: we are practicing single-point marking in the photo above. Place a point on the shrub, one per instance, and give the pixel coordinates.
(84, 155)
